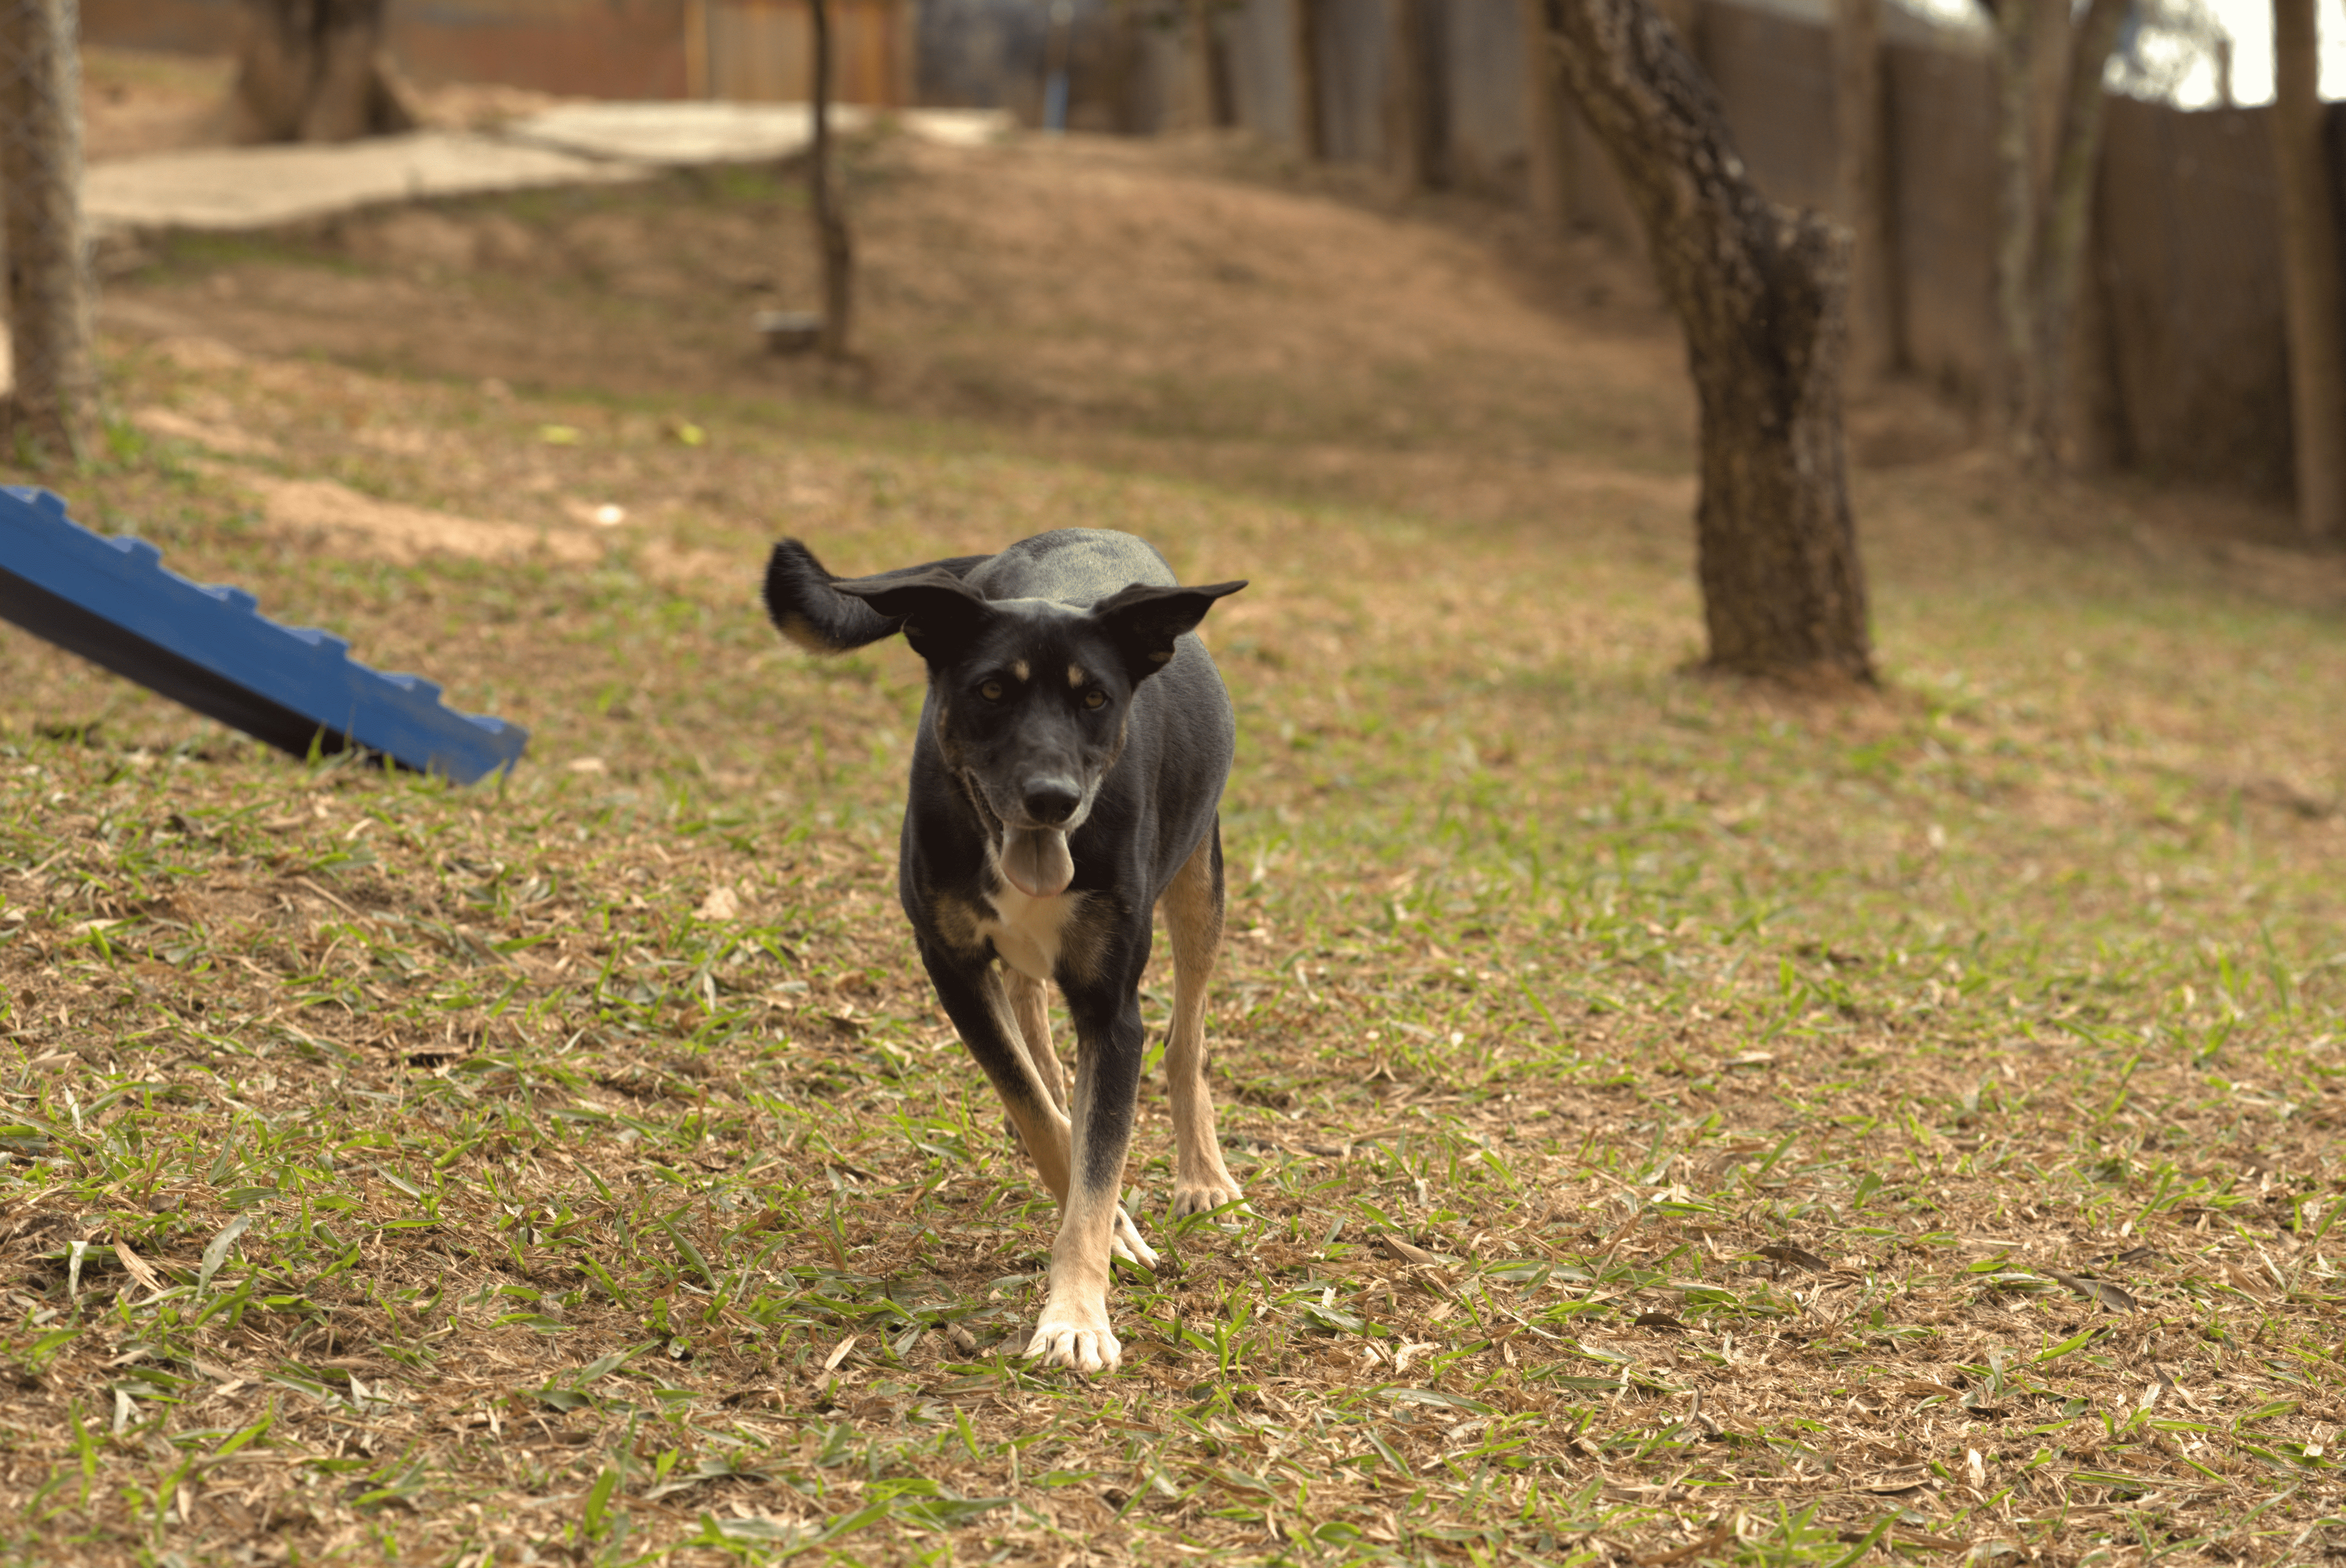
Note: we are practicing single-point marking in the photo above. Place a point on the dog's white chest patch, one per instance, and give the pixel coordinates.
(1027, 931)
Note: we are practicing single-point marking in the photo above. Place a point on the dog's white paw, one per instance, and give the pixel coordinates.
(1200, 1197)
(1082, 1340)
(1125, 1243)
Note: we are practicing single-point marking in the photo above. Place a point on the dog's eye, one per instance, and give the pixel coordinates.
(1095, 698)
(991, 691)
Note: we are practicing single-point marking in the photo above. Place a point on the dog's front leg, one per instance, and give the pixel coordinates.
(1033, 1013)
(1029, 1005)
(1073, 1329)
(980, 1006)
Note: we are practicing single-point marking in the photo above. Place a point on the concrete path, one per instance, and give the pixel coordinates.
(236, 188)
(227, 188)
(673, 135)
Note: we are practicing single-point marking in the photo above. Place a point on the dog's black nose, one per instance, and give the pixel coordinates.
(1051, 801)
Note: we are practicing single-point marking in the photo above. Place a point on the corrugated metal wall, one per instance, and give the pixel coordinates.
(763, 51)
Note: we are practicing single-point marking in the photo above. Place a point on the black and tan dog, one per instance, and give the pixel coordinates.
(1066, 782)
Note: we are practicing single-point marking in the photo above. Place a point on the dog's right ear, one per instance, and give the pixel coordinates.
(940, 614)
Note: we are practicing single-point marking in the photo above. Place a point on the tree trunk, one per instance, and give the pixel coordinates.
(2015, 193)
(1303, 42)
(316, 70)
(1549, 171)
(831, 240)
(48, 269)
(2309, 259)
(2065, 219)
(1205, 111)
(2045, 180)
(1860, 188)
(1407, 111)
(1759, 291)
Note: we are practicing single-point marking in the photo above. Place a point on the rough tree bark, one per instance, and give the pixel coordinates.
(2044, 196)
(47, 263)
(316, 70)
(1860, 186)
(2309, 259)
(1303, 42)
(832, 244)
(1759, 291)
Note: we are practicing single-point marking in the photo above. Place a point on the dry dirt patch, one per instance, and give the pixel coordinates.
(319, 511)
(1088, 286)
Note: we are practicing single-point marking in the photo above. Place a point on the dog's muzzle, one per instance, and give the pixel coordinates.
(1031, 847)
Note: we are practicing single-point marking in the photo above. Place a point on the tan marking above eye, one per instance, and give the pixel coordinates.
(1076, 676)
(1018, 668)
(1095, 699)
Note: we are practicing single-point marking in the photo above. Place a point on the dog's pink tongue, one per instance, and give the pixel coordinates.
(1036, 861)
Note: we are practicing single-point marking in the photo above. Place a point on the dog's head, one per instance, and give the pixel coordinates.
(1032, 697)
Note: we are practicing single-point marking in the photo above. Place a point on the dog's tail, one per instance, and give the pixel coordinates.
(811, 612)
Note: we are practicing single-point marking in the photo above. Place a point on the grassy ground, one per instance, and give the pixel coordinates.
(1684, 1123)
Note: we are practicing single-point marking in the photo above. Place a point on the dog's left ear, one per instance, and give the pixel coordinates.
(940, 614)
(1144, 620)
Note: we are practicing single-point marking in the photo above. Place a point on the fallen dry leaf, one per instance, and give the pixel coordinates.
(1407, 1252)
(2101, 1290)
(138, 1267)
(1801, 1257)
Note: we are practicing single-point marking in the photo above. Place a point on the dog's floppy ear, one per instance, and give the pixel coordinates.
(1144, 620)
(938, 612)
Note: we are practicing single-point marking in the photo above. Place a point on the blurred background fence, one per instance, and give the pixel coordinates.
(2181, 372)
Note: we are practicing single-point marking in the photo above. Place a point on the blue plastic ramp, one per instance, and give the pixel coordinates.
(203, 645)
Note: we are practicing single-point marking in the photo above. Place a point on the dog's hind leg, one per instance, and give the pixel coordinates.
(1192, 908)
(1031, 1002)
